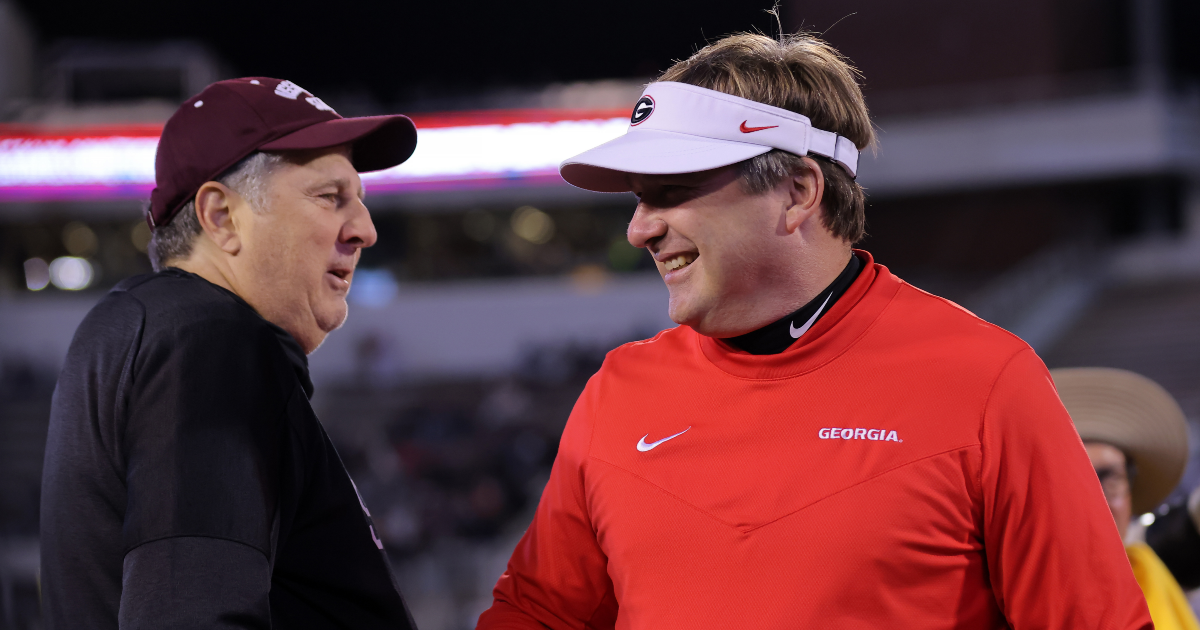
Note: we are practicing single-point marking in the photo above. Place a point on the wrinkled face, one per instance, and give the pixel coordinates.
(1109, 462)
(299, 252)
(715, 245)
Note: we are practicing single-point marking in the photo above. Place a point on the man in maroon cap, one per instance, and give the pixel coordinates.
(187, 482)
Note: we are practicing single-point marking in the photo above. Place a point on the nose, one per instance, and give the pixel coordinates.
(359, 231)
(645, 227)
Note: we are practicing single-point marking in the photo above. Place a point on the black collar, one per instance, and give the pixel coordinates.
(780, 335)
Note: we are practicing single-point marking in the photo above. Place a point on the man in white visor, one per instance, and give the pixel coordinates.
(818, 444)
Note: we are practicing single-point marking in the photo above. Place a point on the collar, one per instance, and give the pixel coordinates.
(781, 334)
(291, 348)
(842, 326)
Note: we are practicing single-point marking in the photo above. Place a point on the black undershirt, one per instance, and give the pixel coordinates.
(780, 335)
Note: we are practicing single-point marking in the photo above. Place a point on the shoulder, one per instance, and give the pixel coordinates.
(666, 342)
(176, 302)
(101, 347)
(182, 298)
(116, 319)
(667, 346)
(193, 326)
(935, 322)
(933, 349)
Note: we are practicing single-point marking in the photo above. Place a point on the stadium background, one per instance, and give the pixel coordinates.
(1038, 162)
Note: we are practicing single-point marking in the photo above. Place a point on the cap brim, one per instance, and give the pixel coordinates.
(606, 168)
(1134, 414)
(378, 142)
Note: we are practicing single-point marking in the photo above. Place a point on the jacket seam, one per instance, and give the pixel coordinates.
(868, 479)
(797, 510)
(667, 492)
(983, 417)
(127, 376)
(587, 503)
(210, 536)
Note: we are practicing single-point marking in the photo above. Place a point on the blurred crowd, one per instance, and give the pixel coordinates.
(456, 458)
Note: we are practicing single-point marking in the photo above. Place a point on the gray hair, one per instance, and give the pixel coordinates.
(248, 178)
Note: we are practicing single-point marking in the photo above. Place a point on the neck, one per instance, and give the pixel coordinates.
(783, 333)
(203, 265)
(796, 285)
(222, 275)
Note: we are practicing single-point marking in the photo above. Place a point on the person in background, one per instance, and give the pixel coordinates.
(1136, 436)
(1175, 537)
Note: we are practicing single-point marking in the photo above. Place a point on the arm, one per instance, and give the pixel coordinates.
(195, 582)
(1054, 555)
(557, 576)
(202, 447)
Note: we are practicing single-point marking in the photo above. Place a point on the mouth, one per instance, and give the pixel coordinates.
(340, 277)
(679, 261)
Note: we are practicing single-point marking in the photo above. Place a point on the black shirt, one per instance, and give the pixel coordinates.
(1176, 540)
(188, 483)
(781, 334)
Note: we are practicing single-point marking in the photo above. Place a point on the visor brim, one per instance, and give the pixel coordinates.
(606, 168)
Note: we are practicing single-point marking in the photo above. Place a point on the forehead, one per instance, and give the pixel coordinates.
(311, 167)
(695, 177)
(1104, 454)
(716, 176)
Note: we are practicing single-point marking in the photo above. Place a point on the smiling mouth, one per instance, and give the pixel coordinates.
(679, 262)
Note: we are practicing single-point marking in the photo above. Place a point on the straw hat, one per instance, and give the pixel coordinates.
(1134, 414)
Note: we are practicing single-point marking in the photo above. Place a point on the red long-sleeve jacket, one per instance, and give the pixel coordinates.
(905, 465)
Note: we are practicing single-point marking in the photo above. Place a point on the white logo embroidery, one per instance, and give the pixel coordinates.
(796, 332)
(878, 435)
(643, 446)
(287, 89)
(370, 525)
(319, 104)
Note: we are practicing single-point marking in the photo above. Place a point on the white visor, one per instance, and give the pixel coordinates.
(681, 128)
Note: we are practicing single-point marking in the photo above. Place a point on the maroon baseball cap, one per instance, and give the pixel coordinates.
(231, 119)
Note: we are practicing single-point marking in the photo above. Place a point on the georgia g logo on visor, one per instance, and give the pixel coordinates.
(642, 111)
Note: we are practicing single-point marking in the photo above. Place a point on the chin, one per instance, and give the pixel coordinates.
(332, 317)
(688, 317)
(687, 310)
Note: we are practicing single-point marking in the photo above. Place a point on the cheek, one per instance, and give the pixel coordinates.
(736, 264)
(740, 240)
(316, 247)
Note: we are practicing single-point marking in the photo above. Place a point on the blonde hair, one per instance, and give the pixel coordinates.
(802, 74)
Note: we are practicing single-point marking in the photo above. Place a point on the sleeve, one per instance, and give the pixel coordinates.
(558, 574)
(202, 450)
(1053, 552)
(194, 582)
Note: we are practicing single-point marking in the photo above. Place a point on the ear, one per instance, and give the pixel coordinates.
(807, 188)
(215, 205)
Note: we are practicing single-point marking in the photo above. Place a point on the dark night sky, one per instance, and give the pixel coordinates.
(394, 48)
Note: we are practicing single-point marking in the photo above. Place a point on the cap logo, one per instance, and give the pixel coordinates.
(287, 89)
(744, 129)
(319, 104)
(642, 110)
